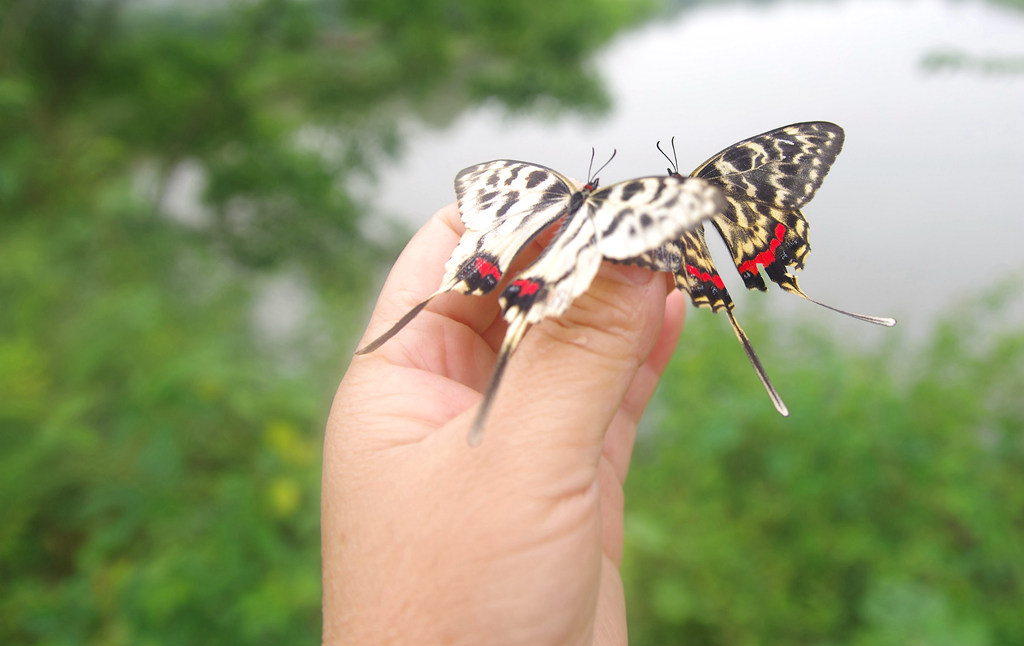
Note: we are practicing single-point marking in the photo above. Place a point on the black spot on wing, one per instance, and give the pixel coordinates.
(657, 193)
(536, 178)
(512, 177)
(791, 183)
(510, 199)
(765, 192)
(523, 292)
(618, 219)
(741, 158)
(629, 189)
(481, 273)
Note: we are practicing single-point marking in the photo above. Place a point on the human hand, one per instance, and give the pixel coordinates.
(518, 540)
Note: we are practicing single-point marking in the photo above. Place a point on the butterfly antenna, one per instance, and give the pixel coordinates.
(513, 336)
(758, 368)
(592, 178)
(674, 160)
(395, 329)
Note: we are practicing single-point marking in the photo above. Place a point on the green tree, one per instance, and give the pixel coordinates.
(159, 447)
(886, 510)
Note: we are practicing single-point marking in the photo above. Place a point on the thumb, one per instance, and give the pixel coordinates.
(566, 382)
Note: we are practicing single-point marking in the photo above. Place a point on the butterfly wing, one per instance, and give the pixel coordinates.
(697, 275)
(504, 204)
(619, 221)
(766, 180)
(642, 214)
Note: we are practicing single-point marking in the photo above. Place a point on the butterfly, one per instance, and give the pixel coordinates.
(505, 204)
(766, 180)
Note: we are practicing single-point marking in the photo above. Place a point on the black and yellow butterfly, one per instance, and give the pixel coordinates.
(766, 180)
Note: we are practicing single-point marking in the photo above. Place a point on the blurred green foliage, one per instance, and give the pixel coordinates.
(160, 446)
(887, 510)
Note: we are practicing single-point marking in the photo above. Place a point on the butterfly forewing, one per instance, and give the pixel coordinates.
(642, 214)
(782, 168)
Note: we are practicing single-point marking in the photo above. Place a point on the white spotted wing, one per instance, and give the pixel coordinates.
(505, 204)
(616, 222)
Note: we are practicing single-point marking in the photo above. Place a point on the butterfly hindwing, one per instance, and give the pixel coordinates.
(546, 288)
(762, 236)
(698, 276)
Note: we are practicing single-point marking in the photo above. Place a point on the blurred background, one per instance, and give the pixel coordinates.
(200, 199)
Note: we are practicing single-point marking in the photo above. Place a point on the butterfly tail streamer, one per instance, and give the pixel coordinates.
(877, 320)
(396, 328)
(788, 282)
(758, 368)
(513, 336)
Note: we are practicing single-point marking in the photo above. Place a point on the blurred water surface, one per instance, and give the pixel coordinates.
(921, 208)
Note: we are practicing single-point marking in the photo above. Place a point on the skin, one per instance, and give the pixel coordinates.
(516, 541)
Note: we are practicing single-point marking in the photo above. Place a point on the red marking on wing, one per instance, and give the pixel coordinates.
(526, 287)
(705, 276)
(767, 257)
(485, 268)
